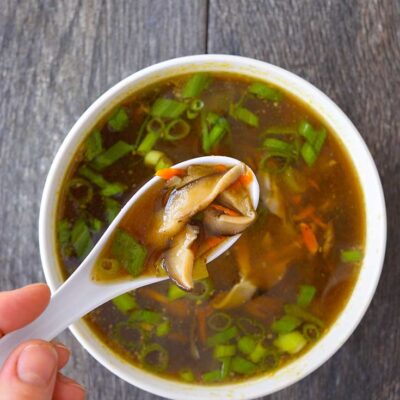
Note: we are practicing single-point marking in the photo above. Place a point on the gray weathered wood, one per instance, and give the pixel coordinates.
(56, 58)
(351, 50)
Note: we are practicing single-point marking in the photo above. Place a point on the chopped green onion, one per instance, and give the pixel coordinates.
(258, 353)
(141, 131)
(95, 224)
(80, 239)
(163, 329)
(129, 335)
(223, 337)
(219, 321)
(202, 290)
(153, 157)
(155, 125)
(111, 155)
(187, 375)
(307, 131)
(265, 92)
(167, 108)
(163, 163)
(246, 344)
(282, 159)
(196, 84)
(196, 105)
(212, 376)
(241, 366)
(251, 327)
(125, 302)
(271, 358)
(176, 130)
(309, 154)
(119, 120)
(278, 145)
(130, 253)
(148, 316)
(152, 349)
(148, 142)
(320, 140)
(212, 118)
(220, 127)
(224, 350)
(286, 324)
(292, 180)
(112, 208)
(291, 342)
(175, 292)
(311, 332)
(226, 367)
(109, 267)
(306, 295)
(108, 189)
(299, 312)
(80, 190)
(243, 114)
(351, 256)
(64, 236)
(94, 145)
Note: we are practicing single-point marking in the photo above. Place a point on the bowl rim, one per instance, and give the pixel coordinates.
(375, 211)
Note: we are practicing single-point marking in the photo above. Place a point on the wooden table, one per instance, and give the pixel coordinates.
(57, 57)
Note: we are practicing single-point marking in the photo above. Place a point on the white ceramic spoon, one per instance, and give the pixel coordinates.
(80, 294)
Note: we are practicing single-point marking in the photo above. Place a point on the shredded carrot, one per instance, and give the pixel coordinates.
(246, 178)
(178, 308)
(236, 185)
(314, 184)
(168, 173)
(202, 314)
(319, 221)
(225, 210)
(309, 238)
(220, 168)
(152, 294)
(210, 243)
(305, 213)
(296, 199)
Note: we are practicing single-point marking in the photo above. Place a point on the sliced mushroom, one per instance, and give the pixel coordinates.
(271, 195)
(195, 196)
(179, 259)
(238, 295)
(219, 223)
(238, 199)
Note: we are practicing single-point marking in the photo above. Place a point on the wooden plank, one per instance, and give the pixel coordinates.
(350, 50)
(56, 59)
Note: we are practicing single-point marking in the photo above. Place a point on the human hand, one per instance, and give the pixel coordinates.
(31, 372)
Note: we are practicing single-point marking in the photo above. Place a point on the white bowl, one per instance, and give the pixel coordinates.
(375, 226)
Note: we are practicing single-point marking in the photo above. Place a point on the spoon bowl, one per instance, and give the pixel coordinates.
(80, 294)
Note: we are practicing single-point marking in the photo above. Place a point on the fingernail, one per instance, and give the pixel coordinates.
(70, 382)
(61, 346)
(37, 364)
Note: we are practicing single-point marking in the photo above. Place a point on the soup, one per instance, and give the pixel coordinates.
(270, 297)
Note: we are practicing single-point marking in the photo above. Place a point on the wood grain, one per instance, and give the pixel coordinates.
(350, 50)
(57, 57)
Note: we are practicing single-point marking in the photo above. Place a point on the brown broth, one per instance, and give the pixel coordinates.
(280, 261)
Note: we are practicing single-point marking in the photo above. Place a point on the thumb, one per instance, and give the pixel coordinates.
(29, 372)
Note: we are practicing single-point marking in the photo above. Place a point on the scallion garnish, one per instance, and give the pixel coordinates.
(223, 337)
(262, 91)
(243, 114)
(350, 256)
(242, 366)
(167, 108)
(112, 208)
(291, 343)
(196, 84)
(130, 253)
(94, 145)
(125, 302)
(108, 189)
(176, 130)
(119, 120)
(286, 324)
(80, 239)
(306, 295)
(111, 155)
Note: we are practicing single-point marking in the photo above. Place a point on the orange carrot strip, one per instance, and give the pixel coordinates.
(246, 178)
(305, 213)
(225, 210)
(168, 173)
(220, 168)
(236, 185)
(210, 243)
(151, 293)
(309, 238)
(202, 314)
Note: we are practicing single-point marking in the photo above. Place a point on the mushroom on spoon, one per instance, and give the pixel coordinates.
(80, 294)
